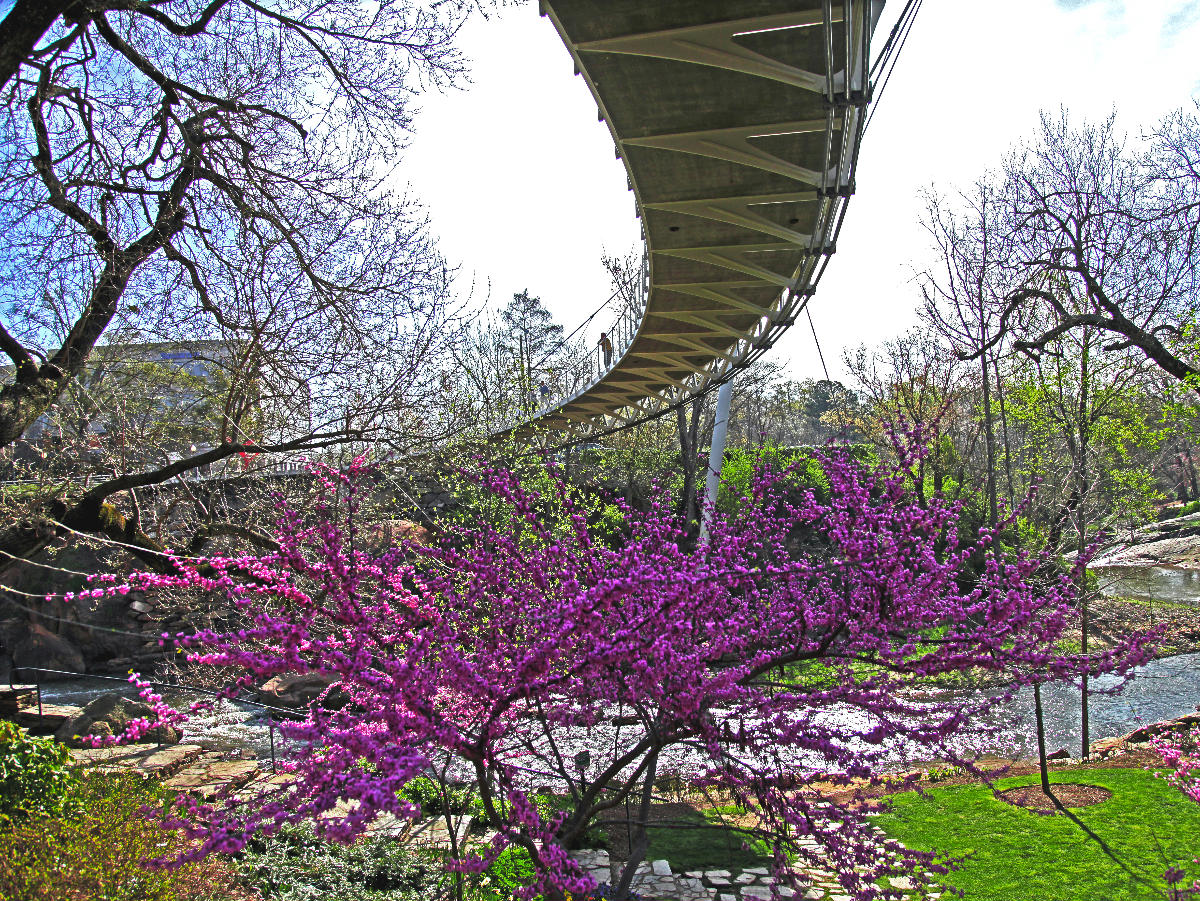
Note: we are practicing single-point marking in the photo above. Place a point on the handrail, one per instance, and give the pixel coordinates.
(176, 685)
(591, 367)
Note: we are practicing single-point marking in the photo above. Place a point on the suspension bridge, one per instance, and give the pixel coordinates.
(739, 123)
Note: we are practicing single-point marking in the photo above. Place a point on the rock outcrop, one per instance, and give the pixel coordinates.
(109, 715)
(42, 648)
(1173, 542)
(1145, 734)
(301, 690)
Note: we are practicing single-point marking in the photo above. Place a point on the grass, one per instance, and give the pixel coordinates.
(700, 841)
(1161, 606)
(1013, 854)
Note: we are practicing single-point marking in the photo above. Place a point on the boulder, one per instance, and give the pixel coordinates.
(1107, 745)
(1144, 734)
(110, 714)
(1060, 754)
(42, 648)
(390, 532)
(300, 690)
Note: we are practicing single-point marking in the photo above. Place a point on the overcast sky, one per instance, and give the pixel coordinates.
(524, 189)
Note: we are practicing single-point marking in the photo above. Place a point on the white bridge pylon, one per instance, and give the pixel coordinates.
(739, 124)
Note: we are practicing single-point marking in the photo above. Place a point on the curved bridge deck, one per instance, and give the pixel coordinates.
(739, 123)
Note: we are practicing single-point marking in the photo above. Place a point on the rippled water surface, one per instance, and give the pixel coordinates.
(232, 725)
(1154, 583)
(1162, 689)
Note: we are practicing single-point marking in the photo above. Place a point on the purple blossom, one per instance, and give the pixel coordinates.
(483, 656)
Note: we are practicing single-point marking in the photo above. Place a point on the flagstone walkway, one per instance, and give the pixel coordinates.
(655, 880)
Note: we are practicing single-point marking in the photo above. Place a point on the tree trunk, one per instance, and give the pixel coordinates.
(1190, 472)
(1004, 427)
(989, 439)
(637, 851)
(22, 29)
(1041, 743)
(688, 440)
(1081, 477)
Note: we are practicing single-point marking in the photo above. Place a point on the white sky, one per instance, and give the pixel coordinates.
(524, 189)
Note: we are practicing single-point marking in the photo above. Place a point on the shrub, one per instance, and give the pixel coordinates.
(435, 801)
(1182, 753)
(741, 468)
(1174, 512)
(507, 873)
(33, 775)
(941, 773)
(513, 869)
(98, 849)
(296, 865)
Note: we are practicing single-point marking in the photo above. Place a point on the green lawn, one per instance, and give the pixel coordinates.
(1018, 855)
(700, 841)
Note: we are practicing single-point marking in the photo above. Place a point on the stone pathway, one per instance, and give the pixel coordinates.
(183, 767)
(432, 832)
(18, 703)
(188, 768)
(204, 773)
(655, 880)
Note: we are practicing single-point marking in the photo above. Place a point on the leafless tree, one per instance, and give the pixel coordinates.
(917, 381)
(1115, 231)
(1081, 253)
(964, 295)
(217, 171)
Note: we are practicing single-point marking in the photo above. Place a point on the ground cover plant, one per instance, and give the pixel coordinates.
(1117, 849)
(34, 777)
(295, 865)
(519, 651)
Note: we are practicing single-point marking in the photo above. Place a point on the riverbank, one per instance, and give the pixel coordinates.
(1111, 619)
(1114, 618)
(1172, 542)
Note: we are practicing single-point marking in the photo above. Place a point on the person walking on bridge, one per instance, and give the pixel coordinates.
(606, 347)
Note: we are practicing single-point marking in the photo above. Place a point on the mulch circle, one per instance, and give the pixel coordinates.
(1069, 794)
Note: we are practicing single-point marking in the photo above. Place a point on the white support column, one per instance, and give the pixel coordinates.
(716, 458)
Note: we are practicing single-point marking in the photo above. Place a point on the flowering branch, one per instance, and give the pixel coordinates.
(774, 662)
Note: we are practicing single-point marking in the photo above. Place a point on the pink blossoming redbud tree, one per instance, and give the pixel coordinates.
(1182, 754)
(521, 652)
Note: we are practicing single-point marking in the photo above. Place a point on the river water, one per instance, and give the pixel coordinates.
(1152, 583)
(233, 724)
(1162, 689)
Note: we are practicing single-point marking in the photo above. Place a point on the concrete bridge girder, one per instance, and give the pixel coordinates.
(738, 122)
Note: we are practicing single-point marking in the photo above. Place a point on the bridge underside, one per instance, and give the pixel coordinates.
(738, 122)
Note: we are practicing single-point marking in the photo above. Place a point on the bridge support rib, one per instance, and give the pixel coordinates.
(738, 122)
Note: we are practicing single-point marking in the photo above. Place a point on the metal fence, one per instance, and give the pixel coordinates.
(271, 712)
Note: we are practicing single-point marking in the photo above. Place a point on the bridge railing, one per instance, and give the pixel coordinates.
(588, 369)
